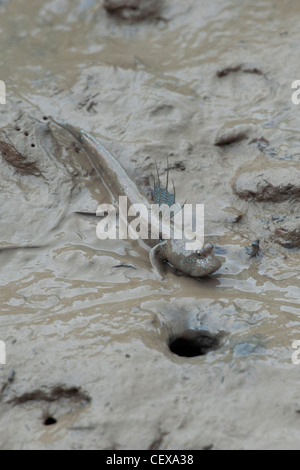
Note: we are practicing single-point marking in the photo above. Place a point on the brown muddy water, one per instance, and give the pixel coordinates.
(100, 357)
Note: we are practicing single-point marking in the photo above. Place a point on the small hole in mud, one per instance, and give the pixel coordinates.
(192, 343)
(49, 421)
(32, 145)
(26, 133)
(45, 118)
(18, 129)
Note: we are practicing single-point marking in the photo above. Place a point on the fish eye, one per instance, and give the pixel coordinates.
(205, 250)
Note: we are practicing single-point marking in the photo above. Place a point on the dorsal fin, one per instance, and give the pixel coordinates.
(161, 194)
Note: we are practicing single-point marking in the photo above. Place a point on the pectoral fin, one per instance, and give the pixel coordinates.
(86, 214)
(157, 260)
(96, 214)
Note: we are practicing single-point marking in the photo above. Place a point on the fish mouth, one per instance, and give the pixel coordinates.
(206, 266)
(214, 264)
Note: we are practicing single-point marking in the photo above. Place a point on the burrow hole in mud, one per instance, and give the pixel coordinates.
(192, 343)
(49, 421)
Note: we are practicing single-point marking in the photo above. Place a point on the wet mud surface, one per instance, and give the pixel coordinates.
(106, 358)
